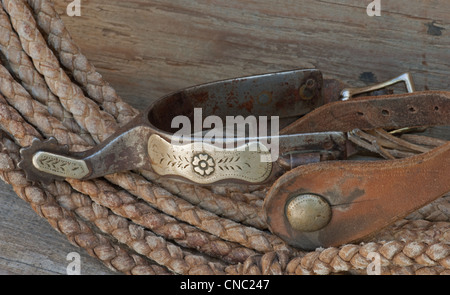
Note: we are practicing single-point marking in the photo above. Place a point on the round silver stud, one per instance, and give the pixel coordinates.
(308, 212)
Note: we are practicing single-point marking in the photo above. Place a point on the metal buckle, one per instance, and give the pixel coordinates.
(406, 78)
(348, 93)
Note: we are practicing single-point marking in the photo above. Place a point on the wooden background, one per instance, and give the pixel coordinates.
(147, 48)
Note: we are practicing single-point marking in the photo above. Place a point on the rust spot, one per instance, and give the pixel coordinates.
(248, 105)
(201, 98)
(232, 99)
(215, 108)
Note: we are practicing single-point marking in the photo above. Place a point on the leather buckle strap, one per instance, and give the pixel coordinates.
(426, 108)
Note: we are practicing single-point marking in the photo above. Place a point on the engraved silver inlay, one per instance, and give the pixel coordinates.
(251, 162)
(60, 165)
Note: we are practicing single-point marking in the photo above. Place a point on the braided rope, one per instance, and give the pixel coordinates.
(71, 57)
(36, 113)
(123, 204)
(78, 232)
(86, 113)
(418, 253)
(159, 226)
(31, 80)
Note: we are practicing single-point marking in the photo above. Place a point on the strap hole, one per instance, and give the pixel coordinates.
(385, 112)
(436, 108)
(360, 114)
(412, 110)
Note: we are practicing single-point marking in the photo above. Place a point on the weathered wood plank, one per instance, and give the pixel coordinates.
(29, 245)
(148, 48)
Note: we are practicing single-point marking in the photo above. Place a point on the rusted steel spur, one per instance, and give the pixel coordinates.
(316, 199)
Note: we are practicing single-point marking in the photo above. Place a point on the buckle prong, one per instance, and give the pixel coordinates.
(348, 93)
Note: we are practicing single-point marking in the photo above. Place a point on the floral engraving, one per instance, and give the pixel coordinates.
(208, 165)
(203, 164)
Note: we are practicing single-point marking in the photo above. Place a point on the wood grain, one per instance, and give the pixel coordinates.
(148, 48)
(29, 245)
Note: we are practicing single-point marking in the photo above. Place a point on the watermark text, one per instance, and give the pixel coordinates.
(374, 8)
(374, 268)
(74, 266)
(235, 132)
(74, 8)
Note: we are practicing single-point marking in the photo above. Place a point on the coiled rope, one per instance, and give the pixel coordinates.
(138, 223)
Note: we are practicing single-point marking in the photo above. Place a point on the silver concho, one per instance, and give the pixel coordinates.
(250, 162)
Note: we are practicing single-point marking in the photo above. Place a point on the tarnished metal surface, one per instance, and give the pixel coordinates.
(301, 149)
(126, 150)
(28, 155)
(283, 94)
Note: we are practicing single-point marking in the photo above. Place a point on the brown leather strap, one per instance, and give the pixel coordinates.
(364, 196)
(428, 108)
